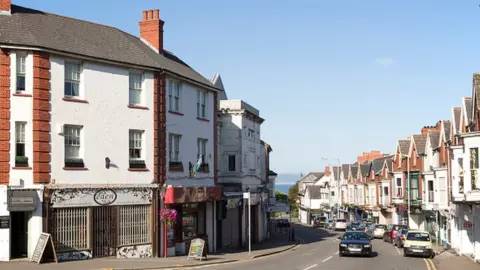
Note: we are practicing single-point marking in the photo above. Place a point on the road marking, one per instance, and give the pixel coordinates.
(432, 265)
(428, 265)
(310, 267)
(398, 251)
(336, 253)
(327, 259)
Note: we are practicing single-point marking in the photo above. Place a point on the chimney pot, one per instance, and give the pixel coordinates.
(144, 15)
(156, 14)
(150, 14)
(151, 29)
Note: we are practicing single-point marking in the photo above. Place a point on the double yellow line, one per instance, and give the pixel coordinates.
(430, 264)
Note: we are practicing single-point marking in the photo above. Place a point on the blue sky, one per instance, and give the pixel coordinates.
(331, 78)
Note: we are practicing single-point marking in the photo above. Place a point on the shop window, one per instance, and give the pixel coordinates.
(134, 223)
(69, 229)
(189, 226)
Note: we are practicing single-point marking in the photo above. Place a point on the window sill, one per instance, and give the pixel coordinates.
(176, 113)
(138, 170)
(21, 95)
(75, 169)
(77, 100)
(21, 168)
(202, 119)
(138, 107)
(175, 169)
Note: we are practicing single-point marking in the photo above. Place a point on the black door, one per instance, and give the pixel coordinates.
(104, 231)
(19, 234)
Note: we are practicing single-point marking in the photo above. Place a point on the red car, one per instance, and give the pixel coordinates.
(392, 231)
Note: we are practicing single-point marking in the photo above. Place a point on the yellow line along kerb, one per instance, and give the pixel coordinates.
(428, 265)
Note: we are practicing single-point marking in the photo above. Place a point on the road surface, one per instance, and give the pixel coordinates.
(320, 251)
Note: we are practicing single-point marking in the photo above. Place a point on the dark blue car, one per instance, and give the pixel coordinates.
(355, 243)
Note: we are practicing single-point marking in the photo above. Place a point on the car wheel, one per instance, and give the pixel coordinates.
(405, 254)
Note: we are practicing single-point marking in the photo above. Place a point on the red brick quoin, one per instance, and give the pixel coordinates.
(41, 118)
(159, 129)
(4, 117)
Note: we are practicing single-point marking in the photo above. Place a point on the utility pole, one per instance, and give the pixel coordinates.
(409, 191)
(247, 195)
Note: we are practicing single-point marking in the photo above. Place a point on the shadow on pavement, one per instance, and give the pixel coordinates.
(373, 255)
(312, 235)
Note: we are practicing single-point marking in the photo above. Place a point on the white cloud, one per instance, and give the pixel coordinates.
(384, 61)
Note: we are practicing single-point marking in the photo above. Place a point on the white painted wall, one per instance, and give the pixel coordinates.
(372, 194)
(106, 121)
(4, 234)
(190, 128)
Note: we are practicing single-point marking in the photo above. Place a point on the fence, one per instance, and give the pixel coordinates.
(287, 230)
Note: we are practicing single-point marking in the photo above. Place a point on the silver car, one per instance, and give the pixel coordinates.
(377, 230)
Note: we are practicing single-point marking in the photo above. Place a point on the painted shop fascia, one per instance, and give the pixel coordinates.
(115, 202)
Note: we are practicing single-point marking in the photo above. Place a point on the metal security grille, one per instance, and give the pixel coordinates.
(104, 231)
(134, 223)
(69, 228)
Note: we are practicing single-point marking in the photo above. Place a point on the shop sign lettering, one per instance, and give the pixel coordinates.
(105, 197)
(467, 224)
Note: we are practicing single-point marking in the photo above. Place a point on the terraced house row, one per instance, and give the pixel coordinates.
(429, 182)
(101, 129)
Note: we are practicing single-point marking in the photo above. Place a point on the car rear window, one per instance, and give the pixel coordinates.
(380, 226)
(322, 218)
(399, 227)
(417, 236)
(341, 220)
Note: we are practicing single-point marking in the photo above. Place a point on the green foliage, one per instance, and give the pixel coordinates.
(292, 199)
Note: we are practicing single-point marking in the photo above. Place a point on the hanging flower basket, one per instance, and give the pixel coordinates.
(169, 216)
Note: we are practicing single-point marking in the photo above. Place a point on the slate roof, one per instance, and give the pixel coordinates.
(336, 172)
(345, 169)
(404, 146)
(318, 174)
(377, 165)
(434, 137)
(314, 192)
(33, 28)
(447, 127)
(420, 142)
(354, 170)
(365, 169)
(457, 112)
(468, 108)
(389, 162)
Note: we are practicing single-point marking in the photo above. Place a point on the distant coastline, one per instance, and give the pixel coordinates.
(283, 187)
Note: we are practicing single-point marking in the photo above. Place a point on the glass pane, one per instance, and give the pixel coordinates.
(21, 64)
(20, 149)
(20, 82)
(177, 104)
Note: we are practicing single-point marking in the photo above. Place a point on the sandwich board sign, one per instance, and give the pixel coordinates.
(44, 240)
(197, 249)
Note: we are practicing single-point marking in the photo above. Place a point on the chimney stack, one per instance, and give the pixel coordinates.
(5, 6)
(327, 171)
(151, 28)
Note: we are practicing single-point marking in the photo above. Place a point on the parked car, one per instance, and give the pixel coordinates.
(376, 230)
(418, 243)
(355, 243)
(283, 222)
(340, 225)
(319, 222)
(392, 231)
(400, 239)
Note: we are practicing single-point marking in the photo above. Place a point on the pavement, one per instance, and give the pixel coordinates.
(320, 251)
(448, 260)
(279, 242)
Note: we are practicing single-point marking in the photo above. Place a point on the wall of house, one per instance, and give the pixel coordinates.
(190, 128)
(106, 120)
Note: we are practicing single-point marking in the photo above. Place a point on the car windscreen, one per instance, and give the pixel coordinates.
(355, 236)
(322, 218)
(416, 236)
(380, 226)
(341, 220)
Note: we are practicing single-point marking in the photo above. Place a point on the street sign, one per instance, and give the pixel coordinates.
(246, 195)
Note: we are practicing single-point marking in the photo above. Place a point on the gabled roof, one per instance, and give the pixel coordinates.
(346, 170)
(377, 165)
(434, 137)
(403, 147)
(468, 102)
(43, 30)
(318, 174)
(354, 170)
(389, 163)
(456, 114)
(365, 169)
(307, 179)
(420, 142)
(475, 94)
(445, 131)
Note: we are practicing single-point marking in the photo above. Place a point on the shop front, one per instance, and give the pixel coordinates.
(102, 221)
(20, 222)
(195, 209)
(231, 225)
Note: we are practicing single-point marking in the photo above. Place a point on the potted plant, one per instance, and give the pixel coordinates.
(74, 162)
(21, 161)
(169, 216)
(137, 164)
(204, 168)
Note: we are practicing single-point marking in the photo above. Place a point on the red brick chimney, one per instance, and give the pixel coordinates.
(425, 129)
(151, 28)
(5, 6)
(327, 171)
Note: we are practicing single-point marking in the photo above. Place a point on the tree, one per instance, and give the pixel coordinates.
(292, 199)
(281, 197)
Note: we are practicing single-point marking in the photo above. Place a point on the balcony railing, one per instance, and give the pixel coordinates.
(431, 196)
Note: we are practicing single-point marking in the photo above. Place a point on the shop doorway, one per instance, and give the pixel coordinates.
(19, 235)
(104, 231)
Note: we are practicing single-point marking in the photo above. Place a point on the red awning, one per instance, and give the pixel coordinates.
(192, 194)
